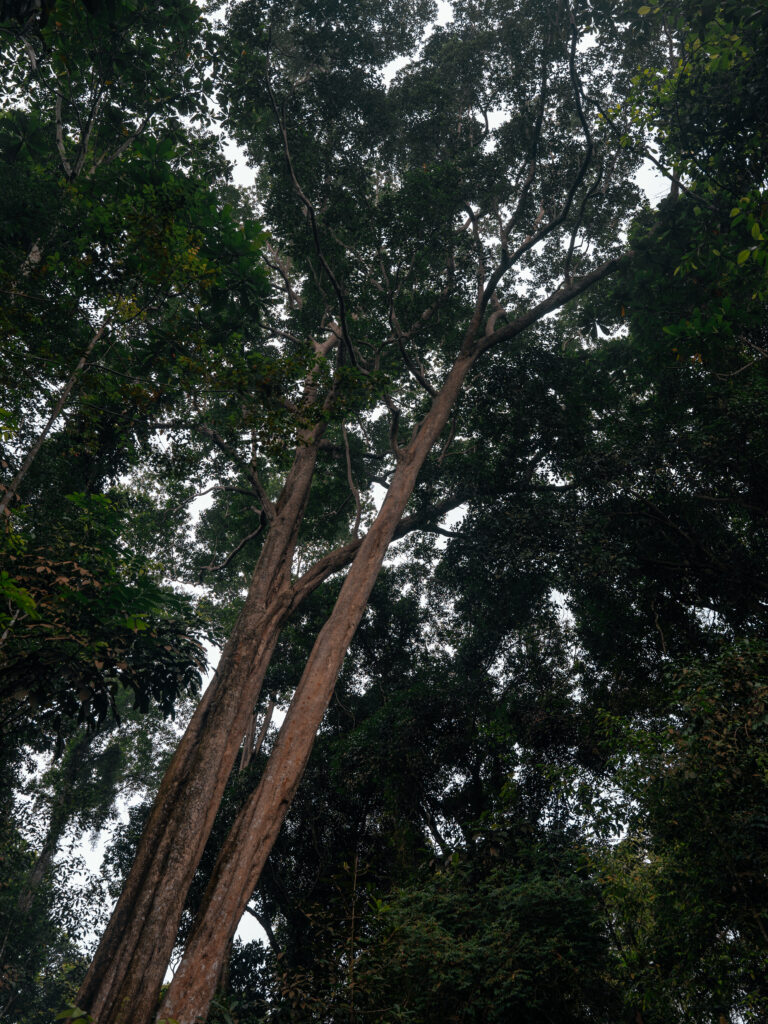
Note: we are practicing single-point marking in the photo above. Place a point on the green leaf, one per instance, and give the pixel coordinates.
(135, 623)
(743, 256)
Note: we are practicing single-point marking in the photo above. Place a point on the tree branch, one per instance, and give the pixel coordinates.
(554, 301)
(60, 138)
(313, 224)
(239, 548)
(352, 485)
(341, 557)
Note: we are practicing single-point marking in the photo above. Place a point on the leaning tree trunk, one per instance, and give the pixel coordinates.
(127, 971)
(124, 979)
(256, 827)
(253, 834)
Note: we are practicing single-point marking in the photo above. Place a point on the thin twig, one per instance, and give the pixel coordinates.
(55, 413)
(238, 549)
(352, 485)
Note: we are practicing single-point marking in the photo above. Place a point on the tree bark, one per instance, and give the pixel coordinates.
(128, 969)
(256, 827)
(252, 743)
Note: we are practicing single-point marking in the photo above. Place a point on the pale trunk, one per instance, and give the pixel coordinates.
(254, 832)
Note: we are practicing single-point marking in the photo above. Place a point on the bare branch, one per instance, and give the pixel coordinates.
(266, 925)
(559, 298)
(239, 548)
(60, 138)
(352, 485)
(341, 557)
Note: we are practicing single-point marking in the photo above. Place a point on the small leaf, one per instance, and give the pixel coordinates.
(743, 256)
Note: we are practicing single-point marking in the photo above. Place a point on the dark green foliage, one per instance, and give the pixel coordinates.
(686, 888)
(40, 959)
(92, 619)
(613, 528)
(539, 791)
(482, 940)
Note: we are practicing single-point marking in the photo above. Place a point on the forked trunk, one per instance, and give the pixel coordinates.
(127, 971)
(253, 834)
(255, 829)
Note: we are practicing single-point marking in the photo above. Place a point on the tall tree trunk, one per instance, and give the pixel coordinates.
(256, 827)
(61, 813)
(125, 977)
(128, 969)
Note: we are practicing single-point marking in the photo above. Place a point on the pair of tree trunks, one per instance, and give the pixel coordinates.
(253, 834)
(124, 979)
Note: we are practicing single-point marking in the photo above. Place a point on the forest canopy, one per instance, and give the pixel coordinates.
(445, 440)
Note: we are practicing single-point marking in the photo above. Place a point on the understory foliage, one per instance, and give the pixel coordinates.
(539, 790)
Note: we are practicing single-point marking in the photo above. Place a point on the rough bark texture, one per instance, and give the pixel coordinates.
(126, 973)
